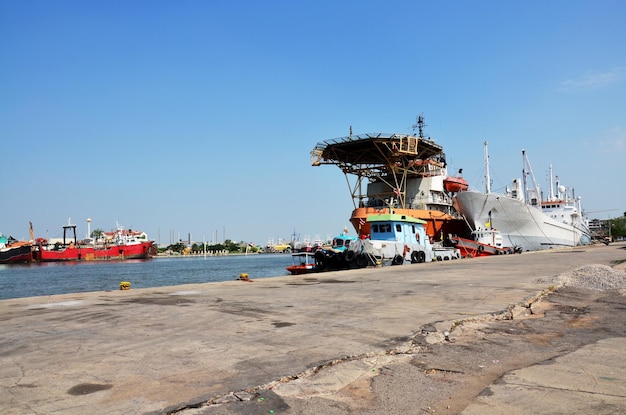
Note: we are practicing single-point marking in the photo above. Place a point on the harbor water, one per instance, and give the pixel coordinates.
(31, 280)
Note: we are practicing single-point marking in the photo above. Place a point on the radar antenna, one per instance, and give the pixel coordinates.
(419, 125)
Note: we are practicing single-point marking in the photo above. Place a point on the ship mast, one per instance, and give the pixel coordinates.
(532, 196)
(524, 181)
(552, 184)
(487, 178)
(420, 126)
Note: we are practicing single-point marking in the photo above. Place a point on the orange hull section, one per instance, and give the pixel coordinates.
(438, 223)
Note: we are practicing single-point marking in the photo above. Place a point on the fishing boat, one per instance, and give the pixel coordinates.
(302, 263)
(119, 244)
(396, 173)
(521, 217)
(124, 244)
(396, 239)
(13, 251)
(333, 257)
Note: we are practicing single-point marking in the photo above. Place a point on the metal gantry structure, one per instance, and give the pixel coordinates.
(386, 157)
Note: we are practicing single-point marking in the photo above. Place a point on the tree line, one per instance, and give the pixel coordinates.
(229, 246)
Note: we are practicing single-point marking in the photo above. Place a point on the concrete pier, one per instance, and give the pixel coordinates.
(172, 349)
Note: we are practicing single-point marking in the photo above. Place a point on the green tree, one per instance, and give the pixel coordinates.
(97, 233)
(178, 247)
(618, 227)
(232, 247)
(215, 247)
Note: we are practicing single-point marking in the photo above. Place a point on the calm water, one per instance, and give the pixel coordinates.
(61, 278)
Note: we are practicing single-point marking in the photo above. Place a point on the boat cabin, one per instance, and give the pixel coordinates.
(302, 263)
(491, 237)
(398, 228)
(342, 242)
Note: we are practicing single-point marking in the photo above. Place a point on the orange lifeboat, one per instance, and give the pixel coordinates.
(455, 184)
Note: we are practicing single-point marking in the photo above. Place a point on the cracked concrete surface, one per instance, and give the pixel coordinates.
(374, 343)
(490, 365)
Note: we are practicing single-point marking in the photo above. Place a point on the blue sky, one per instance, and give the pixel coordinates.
(199, 116)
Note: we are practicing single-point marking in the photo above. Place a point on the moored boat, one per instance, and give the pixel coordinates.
(522, 218)
(119, 244)
(334, 257)
(394, 240)
(13, 251)
(485, 242)
(302, 263)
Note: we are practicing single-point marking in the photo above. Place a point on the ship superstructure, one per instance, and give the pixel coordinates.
(395, 173)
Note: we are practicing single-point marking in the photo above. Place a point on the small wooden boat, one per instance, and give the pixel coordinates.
(302, 263)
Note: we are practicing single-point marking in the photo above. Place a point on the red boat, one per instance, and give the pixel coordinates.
(303, 263)
(485, 243)
(122, 245)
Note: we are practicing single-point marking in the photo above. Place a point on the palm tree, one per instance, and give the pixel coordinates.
(97, 234)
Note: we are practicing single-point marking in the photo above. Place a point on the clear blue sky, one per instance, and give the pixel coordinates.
(198, 117)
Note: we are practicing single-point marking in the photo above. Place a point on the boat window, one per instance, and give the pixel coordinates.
(381, 228)
(398, 227)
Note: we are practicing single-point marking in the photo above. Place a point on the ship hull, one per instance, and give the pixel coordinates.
(16, 254)
(142, 250)
(520, 224)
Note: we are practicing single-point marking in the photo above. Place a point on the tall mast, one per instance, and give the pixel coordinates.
(524, 182)
(552, 184)
(487, 178)
(536, 191)
(420, 126)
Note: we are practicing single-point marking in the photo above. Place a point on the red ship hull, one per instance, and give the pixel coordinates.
(470, 248)
(20, 253)
(142, 250)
